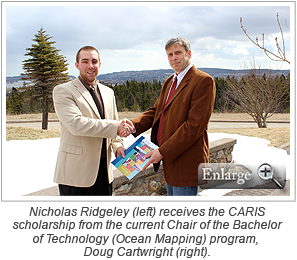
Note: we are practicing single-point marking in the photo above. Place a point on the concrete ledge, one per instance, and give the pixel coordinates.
(285, 146)
(221, 144)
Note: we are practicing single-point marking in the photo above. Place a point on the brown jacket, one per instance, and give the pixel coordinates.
(185, 125)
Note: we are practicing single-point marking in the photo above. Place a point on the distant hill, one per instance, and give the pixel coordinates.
(12, 79)
(16, 81)
(149, 75)
(142, 75)
(163, 74)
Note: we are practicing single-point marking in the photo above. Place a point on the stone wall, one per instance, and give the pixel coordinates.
(150, 183)
(221, 150)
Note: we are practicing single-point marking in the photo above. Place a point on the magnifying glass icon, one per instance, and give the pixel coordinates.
(265, 172)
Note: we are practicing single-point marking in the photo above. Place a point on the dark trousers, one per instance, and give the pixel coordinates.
(101, 186)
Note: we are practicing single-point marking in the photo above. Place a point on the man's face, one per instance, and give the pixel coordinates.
(178, 57)
(88, 65)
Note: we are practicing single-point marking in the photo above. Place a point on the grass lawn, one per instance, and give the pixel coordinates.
(276, 136)
(23, 133)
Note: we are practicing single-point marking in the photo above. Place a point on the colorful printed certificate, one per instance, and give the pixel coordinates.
(134, 161)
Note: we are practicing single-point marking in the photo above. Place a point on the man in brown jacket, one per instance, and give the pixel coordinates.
(179, 121)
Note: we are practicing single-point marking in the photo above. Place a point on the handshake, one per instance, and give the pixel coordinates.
(125, 128)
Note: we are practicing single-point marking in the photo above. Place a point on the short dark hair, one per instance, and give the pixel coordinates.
(86, 48)
(180, 41)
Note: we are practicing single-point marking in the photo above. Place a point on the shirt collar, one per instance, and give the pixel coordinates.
(87, 85)
(181, 75)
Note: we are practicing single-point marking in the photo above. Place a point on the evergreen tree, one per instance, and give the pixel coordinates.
(46, 68)
(136, 96)
(15, 102)
(7, 104)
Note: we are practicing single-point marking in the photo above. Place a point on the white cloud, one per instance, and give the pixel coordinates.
(241, 49)
(148, 59)
(206, 43)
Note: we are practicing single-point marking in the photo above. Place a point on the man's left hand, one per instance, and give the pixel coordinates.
(155, 158)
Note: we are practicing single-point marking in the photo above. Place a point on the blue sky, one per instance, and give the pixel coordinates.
(132, 36)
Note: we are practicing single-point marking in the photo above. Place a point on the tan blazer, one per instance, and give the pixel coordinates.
(185, 127)
(82, 133)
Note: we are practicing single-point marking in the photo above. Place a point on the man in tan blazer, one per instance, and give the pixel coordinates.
(89, 130)
(179, 121)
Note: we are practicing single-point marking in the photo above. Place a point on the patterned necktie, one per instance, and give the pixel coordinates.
(159, 134)
(98, 100)
(95, 93)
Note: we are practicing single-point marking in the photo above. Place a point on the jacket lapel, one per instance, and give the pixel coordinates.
(166, 93)
(86, 95)
(181, 85)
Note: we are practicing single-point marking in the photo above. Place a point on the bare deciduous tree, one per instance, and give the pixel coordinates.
(281, 51)
(259, 95)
